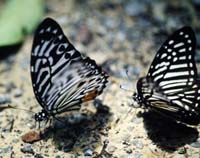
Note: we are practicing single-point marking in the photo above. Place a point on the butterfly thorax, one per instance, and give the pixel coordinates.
(143, 84)
(42, 116)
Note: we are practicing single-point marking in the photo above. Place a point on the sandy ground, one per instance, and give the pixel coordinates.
(118, 39)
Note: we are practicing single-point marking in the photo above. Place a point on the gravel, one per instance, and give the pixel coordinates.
(5, 150)
(88, 152)
(28, 148)
(195, 144)
(118, 35)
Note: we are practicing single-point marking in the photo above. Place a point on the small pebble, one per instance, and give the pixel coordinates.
(5, 99)
(111, 149)
(88, 152)
(137, 120)
(27, 148)
(131, 128)
(5, 150)
(195, 144)
(85, 35)
(182, 151)
(135, 8)
(138, 144)
(129, 151)
(126, 139)
(16, 140)
(31, 137)
(38, 156)
(137, 155)
(68, 148)
(18, 92)
(9, 87)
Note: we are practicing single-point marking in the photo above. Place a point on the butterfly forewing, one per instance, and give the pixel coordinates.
(174, 62)
(171, 85)
(62, 78)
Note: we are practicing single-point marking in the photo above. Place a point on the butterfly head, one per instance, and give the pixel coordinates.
(41, 116)
(137, 99)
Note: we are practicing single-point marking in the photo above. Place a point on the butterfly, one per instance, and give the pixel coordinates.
(171, 86)
(62, 78)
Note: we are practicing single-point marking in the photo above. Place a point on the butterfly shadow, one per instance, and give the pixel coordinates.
(6, 51)
(2, 108)
(82, 135)
(166, 133)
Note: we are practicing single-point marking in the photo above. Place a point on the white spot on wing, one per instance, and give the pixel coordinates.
(178, 103)
(186, 36)
(182, 50)
(169, 50)
(175, 74)
(174, 53)
(163, 55)
(178, 45)
(36, 50)
(48, 29)
(186, 107)
(50, 60)
(177, 66)
(165, 82)
(169, 57)
(60, 37)
(182, 58)
(44, 46)
(171, 42)
(55, 31)
(174, 85)
(41, 31)
(159, 70)
(175, 59)
(158, 77)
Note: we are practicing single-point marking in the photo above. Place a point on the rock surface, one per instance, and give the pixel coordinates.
(119, 39)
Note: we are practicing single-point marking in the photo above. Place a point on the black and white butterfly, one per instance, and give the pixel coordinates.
(172, 86)
(62, 78)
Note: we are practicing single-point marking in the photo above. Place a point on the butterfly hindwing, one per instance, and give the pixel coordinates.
(62, 78)
(183, 106)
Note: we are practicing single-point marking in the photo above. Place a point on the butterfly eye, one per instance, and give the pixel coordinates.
(135, 96)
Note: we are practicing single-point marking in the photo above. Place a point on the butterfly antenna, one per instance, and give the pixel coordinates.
(125, 88)
(12, 107)
(128, 77)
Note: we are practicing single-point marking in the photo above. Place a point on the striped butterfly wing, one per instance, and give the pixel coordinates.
(171, 85)
(174, 61)
(62, 79)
